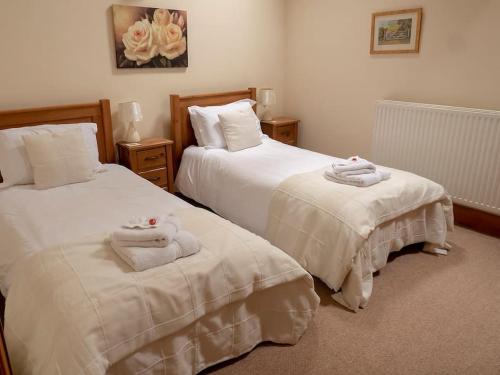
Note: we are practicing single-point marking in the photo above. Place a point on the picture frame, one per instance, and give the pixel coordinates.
(396, 31)
(147, 37)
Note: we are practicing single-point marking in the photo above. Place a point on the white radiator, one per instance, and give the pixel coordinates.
(456, 147)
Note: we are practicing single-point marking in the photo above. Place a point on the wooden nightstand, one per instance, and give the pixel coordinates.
(150, 158)
(281, 129)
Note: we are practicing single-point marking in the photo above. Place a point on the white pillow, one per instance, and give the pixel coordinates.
(59, 158)
(205, 122)
(239, 129)
(14, 164)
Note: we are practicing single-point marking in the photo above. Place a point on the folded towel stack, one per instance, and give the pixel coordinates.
(162, 243)
(159, 235)
(357, 172)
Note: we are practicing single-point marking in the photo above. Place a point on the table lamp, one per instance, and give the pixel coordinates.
(131, 113)
(267, 99)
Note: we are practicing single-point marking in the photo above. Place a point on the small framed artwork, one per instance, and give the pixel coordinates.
(396, 31)
(150, 37)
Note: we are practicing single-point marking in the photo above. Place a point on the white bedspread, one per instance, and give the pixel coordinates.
(33, 220)
(73, 306)
(326, 226)
(239, 185)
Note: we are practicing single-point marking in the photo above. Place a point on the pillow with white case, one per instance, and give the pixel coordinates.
(239, 129)
(206, 125)
(59, 158)
(14, 163)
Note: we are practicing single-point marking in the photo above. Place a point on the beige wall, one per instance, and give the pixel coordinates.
(61, 51)
(332, 82)
(314, 52)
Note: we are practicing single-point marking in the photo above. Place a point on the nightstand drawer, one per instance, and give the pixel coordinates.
(152, 158)
(286, 134)
(157, 176)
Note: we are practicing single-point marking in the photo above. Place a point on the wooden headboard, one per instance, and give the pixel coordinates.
(99, 113)
(182, 131)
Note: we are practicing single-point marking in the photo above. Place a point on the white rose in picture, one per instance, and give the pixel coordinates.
(161, 17)
(171, 41)
(139, 43)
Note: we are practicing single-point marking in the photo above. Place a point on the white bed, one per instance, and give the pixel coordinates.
(78, 219)
(73, 306)
(252, 186)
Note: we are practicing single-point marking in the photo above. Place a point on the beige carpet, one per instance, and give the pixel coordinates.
(427, 315)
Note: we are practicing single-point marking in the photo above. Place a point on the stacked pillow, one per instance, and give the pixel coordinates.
(49, 155)
(239, 129)
(208, 128)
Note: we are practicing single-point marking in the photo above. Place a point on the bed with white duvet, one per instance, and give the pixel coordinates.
(342, 234)
(74, 307)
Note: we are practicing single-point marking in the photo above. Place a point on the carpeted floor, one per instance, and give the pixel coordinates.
(427, 315)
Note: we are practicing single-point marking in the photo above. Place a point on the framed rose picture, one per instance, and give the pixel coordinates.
(150, 37)
(396, 31)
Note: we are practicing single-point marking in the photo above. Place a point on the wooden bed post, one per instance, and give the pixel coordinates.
(175, 129)
(253, 93)
(108, 130)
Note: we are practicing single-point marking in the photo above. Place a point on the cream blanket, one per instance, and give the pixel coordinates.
(79, 309)
(326, 226)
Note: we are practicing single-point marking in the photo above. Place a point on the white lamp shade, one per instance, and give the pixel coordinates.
(130, 111)
(267, 97)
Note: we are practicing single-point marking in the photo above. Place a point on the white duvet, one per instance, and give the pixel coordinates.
(32, 220)
(239, 185)
(73, 306)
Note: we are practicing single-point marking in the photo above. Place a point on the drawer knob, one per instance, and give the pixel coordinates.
(153, 179)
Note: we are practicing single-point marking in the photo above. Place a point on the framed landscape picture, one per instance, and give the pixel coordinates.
(396, 31)
(150, 37)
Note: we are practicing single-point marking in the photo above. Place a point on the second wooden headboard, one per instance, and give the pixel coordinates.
(181, 129)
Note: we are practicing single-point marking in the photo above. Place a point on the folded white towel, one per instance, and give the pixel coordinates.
(141, 259)
(153, 243)
(354, 163)
(354, 172)
(362, 180)
(188, 242)
(164, 233)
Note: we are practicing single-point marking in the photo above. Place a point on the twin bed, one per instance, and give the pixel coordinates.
(339, 233)
(73, 306)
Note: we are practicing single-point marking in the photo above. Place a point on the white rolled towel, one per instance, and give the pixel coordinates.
(158, 237)
(141, 259)
(354, 163)
(362, 180)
